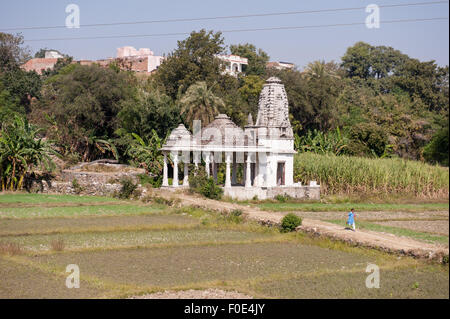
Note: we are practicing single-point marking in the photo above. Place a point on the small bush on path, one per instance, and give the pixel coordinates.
(290, 222)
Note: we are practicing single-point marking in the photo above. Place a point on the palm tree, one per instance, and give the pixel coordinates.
(200, 103)
(320, 69)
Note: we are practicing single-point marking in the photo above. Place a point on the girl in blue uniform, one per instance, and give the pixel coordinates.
(351, 219)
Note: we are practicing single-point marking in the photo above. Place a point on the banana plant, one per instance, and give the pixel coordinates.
(21, 152)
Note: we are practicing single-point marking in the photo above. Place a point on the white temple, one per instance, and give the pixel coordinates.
(264, 150)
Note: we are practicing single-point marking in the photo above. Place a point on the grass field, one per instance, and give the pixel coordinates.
(408, 217)
(128, 248)
(343, 207)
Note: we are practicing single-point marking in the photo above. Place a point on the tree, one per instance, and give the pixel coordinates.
(79, 108)
(22, 86)
(199, 103)
(8, 106)
(320, 69)
(250, 91)
(366, 61)
(257, 59)
(425, 80)
(194, 60)
(356, 60)
(437, 150)
(311, 100)
(59, 65)
(368, 140)
(12, 54)
(149, 111)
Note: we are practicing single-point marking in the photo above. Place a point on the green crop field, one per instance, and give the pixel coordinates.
(358, 175)
(128, 248)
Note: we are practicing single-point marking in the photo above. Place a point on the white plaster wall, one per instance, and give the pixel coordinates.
(154, 62)
(277, 144)
(288, 159)
(242, 193)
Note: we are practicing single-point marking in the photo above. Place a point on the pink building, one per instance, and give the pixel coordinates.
(142, 60)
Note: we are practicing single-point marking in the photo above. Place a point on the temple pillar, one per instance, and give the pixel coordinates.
(234, 172)
(165, 182)
(175, 171)
(186, 174)
(214, 169)
(207, 165)
(227, 171)
(248, 172)
(256, 180)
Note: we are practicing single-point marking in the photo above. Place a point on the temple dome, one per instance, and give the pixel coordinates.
(179, 136)
(223, 131)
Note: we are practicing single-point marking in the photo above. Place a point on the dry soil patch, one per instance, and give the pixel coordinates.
(195, 294)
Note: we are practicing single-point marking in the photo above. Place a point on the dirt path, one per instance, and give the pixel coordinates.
(378, 240)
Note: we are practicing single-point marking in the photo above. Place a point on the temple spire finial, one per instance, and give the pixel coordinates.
(250, 119)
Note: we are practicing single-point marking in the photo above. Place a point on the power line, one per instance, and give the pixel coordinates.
(237, 30)
(227, 17)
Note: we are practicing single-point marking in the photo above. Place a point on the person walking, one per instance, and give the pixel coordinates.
(351, 219)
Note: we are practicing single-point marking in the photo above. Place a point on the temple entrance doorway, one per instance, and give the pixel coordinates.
(280, 173)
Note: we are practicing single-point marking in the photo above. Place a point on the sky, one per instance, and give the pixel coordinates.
(424, 40)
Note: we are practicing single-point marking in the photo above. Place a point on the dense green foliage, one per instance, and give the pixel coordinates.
(200, 103)
(348, 175)
(127, 189)
(290, 222)
(377, 103)
(21, 150)
(437, 150)
(145, 153)
(200, 183)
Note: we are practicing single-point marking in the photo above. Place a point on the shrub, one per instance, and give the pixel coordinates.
(235, 216)
(57, 244)
(368, 139)
(197, 178)
(437, 150)
(76, 186)
(154, 181)
(211, 190)
(200, 183)
(10, 249)
(282, 198)
(236, 212)
(290, 222)
(128, 188)
(163, 201)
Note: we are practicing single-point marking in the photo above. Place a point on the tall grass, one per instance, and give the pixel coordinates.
(357, 175)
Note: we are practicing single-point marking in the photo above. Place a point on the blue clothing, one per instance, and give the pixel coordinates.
(351, 219)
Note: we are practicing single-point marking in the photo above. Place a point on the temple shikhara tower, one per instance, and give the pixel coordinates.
(258, 160)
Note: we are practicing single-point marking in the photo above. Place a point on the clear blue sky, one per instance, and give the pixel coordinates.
(422, 40)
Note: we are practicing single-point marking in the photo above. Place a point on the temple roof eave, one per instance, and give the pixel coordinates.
(231, 149)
